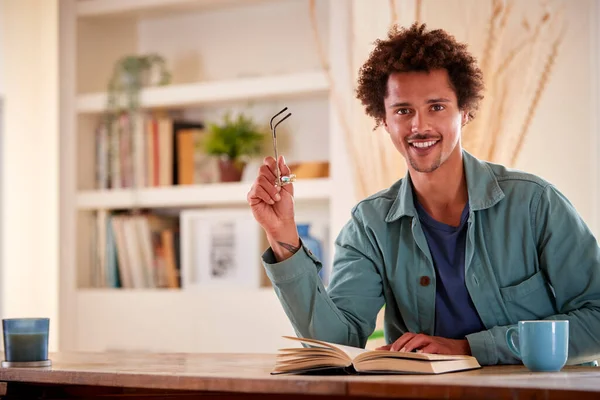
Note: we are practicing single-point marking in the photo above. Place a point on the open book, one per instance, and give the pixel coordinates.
(325, 357)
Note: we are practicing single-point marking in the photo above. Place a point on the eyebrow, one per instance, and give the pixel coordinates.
(430, 101)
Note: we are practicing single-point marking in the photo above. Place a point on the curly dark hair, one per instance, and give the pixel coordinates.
(415, 49)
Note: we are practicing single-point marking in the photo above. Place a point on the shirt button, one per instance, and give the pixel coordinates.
(424, 281)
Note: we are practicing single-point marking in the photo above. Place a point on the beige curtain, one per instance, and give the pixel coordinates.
(516, 44)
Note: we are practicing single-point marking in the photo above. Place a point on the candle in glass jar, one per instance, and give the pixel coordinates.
(21, 347)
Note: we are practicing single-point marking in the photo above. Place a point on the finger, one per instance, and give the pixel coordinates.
(269, 187)
(265, 171)
(431, 348)
(285, 170)
(400, 342)
(417, 342)
(283, 167)
(270, 163)
(258, 194)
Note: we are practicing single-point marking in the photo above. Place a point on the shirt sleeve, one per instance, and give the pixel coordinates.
(569, 256)
(346, 311)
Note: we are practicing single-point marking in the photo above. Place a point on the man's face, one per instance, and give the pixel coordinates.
(423, 118)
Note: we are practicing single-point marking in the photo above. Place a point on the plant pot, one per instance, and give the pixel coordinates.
(231, 170)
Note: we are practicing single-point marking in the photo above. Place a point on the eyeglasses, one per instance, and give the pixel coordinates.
(281, 180)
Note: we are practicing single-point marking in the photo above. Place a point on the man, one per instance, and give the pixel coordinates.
(458, 250)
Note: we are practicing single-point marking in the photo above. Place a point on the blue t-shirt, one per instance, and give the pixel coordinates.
(455, 314)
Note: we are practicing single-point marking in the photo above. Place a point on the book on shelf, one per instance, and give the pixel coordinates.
(136, 250)
(319, 357)
(145, 150)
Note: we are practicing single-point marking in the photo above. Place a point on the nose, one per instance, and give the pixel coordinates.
(420, 123)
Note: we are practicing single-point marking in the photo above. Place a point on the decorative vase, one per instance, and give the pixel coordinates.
(231, 170)
(313, 244)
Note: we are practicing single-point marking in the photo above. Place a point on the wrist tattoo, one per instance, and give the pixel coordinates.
(289, 247)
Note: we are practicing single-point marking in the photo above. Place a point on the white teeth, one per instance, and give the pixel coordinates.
(424, 144)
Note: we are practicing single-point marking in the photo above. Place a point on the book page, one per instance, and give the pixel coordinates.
(378, 354)
(352, 352)
(349, 351)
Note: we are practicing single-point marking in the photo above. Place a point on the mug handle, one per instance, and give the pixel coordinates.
(510, 334)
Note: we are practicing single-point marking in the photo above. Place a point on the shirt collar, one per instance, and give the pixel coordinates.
(482, 187)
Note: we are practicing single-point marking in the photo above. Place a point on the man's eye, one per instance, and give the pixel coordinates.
(403, 111)
(437, 107)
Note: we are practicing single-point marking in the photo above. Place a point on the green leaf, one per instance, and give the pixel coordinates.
(234, 138)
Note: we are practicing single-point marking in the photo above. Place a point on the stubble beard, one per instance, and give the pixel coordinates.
(425, 169)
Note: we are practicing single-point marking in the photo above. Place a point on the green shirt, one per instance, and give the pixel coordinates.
(529, 256)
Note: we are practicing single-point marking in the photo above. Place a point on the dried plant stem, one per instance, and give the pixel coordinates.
(531, 68)
(393, 12)
(530, 42)
(510, 57)
(499, 35)
(337, 100)
(320, 50)
(498, 122)
(506, 14)
(473, 138)
(537, 96)
(491, 35)
(490, 116)
(502, 13)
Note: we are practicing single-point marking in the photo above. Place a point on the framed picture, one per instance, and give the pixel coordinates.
(220, 247)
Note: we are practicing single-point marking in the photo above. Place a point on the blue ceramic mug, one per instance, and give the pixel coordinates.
(543, 345)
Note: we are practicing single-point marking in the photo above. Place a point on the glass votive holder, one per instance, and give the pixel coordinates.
(26, 342)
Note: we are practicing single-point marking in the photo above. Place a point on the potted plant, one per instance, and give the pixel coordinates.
(130, 74)
(233, 142)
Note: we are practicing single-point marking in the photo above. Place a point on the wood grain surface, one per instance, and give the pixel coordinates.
(249, 375)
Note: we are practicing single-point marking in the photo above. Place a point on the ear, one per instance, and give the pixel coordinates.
(385, 125)
(464, 117)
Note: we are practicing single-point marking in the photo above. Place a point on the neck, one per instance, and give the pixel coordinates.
(443, 192)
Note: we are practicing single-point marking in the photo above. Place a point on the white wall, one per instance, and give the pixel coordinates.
(594, 108)
(29, 218)
(1, 137)
(1, 58)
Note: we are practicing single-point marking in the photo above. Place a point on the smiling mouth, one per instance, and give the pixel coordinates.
(423, 144)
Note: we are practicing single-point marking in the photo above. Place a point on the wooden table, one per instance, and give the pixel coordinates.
(224, 376)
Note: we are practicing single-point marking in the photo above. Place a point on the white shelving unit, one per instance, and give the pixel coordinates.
(256, 56)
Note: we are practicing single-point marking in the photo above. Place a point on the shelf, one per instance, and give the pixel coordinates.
(279, 86)
(138, 8)
(189, 196)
